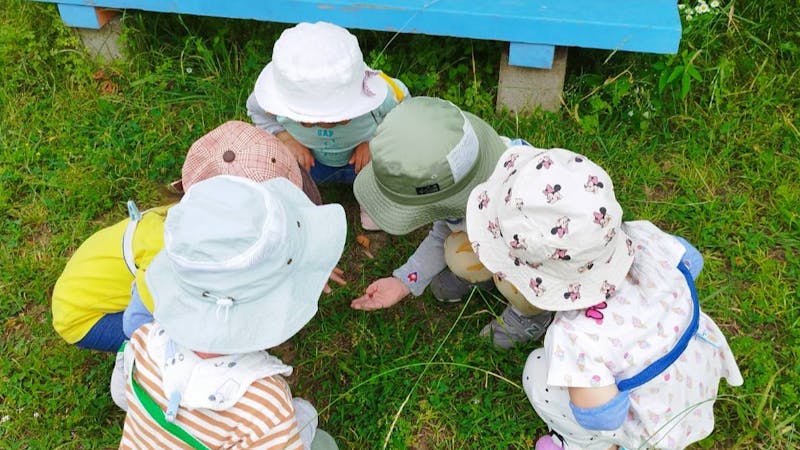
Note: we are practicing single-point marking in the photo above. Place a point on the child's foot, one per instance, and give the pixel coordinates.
(512, 328)
(367, 223)
(449, 288)
(546, 442)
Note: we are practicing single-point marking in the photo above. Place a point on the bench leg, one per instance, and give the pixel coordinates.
(98, 28)
(523, 89)
(103, 43)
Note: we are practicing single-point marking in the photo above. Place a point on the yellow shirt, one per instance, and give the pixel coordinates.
(96, 281)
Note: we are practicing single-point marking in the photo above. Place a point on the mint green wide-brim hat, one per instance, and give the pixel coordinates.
(243, 264)
(427, 155)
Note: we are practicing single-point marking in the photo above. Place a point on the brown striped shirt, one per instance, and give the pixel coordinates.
(262, 419)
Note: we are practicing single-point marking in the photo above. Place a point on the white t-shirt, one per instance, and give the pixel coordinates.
(644, 319)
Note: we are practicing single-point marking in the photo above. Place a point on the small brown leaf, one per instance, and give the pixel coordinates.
(108, 87)
(364, 242)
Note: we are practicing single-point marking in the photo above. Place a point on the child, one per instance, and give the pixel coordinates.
(319, 97)
(425, 176)
(242, 270)
(95, 287)
(629, 359)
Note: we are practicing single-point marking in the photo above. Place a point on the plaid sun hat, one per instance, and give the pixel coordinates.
(239, 149)
(547, 221)
(243, 264)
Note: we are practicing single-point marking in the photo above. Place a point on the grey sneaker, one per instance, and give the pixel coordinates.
(449, 288)
(511, 328)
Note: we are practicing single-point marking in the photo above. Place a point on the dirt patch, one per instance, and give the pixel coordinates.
(777, 254)
(663, 191)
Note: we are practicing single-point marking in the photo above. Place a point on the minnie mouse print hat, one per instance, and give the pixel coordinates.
(548, 222)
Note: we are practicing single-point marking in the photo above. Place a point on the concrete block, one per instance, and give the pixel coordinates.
(522, 89)
(103, 43)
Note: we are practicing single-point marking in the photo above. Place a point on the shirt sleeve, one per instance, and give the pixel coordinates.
(262, 119)
(574, 359)
(283, 431)
(426, 262)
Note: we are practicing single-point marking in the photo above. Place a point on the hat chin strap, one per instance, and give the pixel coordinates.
(222, 302)
(226, 303)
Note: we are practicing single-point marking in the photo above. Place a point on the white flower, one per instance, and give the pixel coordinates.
(5, 419)
(36, 415)
(715, 4)
(702, 8)
(630, 113)
(688, 17)
(681, 7)
(189, 70)
(646, 114)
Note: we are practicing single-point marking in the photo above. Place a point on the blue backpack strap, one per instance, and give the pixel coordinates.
(661, 364)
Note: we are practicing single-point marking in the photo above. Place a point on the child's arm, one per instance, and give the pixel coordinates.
(600, 408)
(360, 157)
(410, 278)
(303, 155)
(261, 118)
(269, 123)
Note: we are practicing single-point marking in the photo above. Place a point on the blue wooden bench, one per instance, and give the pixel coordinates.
(533, 28)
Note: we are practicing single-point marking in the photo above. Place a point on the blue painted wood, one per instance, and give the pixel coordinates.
(531, 55)
(634, 25)
(78, 16)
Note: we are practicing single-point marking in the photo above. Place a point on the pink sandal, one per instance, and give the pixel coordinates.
(546, 442)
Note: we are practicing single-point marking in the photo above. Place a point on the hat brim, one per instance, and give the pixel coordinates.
(399, 219)
(271, 99)
(494, 253)
(291, 300)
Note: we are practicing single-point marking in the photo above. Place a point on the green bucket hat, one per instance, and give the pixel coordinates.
(427, 155)
(243, 264)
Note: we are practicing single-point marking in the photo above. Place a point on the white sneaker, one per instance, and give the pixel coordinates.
(511, 328)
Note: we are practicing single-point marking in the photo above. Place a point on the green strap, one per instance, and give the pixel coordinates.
(155, 412)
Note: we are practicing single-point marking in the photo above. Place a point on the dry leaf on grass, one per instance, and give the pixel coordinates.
(364, 242)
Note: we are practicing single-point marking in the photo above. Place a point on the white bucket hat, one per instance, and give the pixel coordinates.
(317, 74)
(243, 264)
(547, 221)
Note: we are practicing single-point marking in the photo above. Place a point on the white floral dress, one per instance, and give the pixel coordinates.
(617, 339)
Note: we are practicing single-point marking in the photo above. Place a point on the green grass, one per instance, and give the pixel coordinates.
(715, 159)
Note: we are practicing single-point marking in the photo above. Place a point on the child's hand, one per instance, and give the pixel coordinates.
(303, 155)
(360, 156)
(382, 293)
(336, 276)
